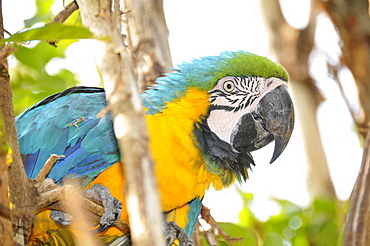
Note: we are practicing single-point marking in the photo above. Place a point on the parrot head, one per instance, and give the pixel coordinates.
(250, 112)
(249, 106)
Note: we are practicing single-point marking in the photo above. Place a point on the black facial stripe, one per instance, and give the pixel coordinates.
(249, 101)
(252, 100)
(244, 98)
(221, 107)
(247, 90)
(215, 91)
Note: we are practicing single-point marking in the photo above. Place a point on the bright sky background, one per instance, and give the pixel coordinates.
(208, 27)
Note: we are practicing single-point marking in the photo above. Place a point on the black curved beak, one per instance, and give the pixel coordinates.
(273, 119)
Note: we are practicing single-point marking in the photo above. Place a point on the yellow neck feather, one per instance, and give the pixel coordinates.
(180, 168)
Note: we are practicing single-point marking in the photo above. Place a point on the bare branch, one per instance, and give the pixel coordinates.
(206, 215)
(357, 228)
(47, 167)
(5, 212)
(20, 189)
(147, 40)
(63, 15)
(50, 196)
(125, 102)
(351, 19)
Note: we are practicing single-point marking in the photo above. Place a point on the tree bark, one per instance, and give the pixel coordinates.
(351, 18)
(147, 39)
(13, 176)
(129, 124)
(5, 223)
(357, 227)
(5, 158)
(292, 48)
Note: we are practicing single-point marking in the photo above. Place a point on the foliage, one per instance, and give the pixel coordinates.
(54, 31)
(30, 79)
(319, 224)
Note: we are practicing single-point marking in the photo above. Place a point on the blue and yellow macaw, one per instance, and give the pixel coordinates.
(203, 119)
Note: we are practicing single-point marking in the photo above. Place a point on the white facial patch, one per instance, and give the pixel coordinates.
(233, 97)
(223, 122)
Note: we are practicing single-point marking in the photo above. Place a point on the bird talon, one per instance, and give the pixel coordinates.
(112, 206)
(175, 233)
(61, 218)
(100, 228)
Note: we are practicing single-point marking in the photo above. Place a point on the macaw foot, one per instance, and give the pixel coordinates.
(112, 208)
(61, 217)
(173, 232)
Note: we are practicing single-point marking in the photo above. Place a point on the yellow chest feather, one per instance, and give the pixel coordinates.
(179, 167)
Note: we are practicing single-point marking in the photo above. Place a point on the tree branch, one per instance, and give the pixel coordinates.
(5, 212)
(147, 40)
(351, 19)
(357, 227)
(19, 189)
(47, 167)
(205, 214)
(63, 15)
(129, 123)
(51, 195)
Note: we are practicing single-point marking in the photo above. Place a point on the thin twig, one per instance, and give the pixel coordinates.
(357, 226)
(47, 167)
(8, 32)
(62, 17)
(210, 237)
(65, 13)
(196, 236)
(206, 215)
(104, 111)
(334, 72)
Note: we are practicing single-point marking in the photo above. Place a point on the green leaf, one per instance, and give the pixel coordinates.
(50, 32)
(235, 231)
(43, 51)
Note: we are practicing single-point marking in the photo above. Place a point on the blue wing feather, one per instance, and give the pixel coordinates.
(47, 128)
(30, 158)
(194, 210)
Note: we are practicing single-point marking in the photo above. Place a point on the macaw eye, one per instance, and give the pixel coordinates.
(229, 86)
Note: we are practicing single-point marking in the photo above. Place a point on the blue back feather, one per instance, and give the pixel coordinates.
(47, 128)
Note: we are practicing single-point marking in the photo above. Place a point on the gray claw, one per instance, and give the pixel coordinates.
(173, 231)
(112, 206)
(61, 218)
